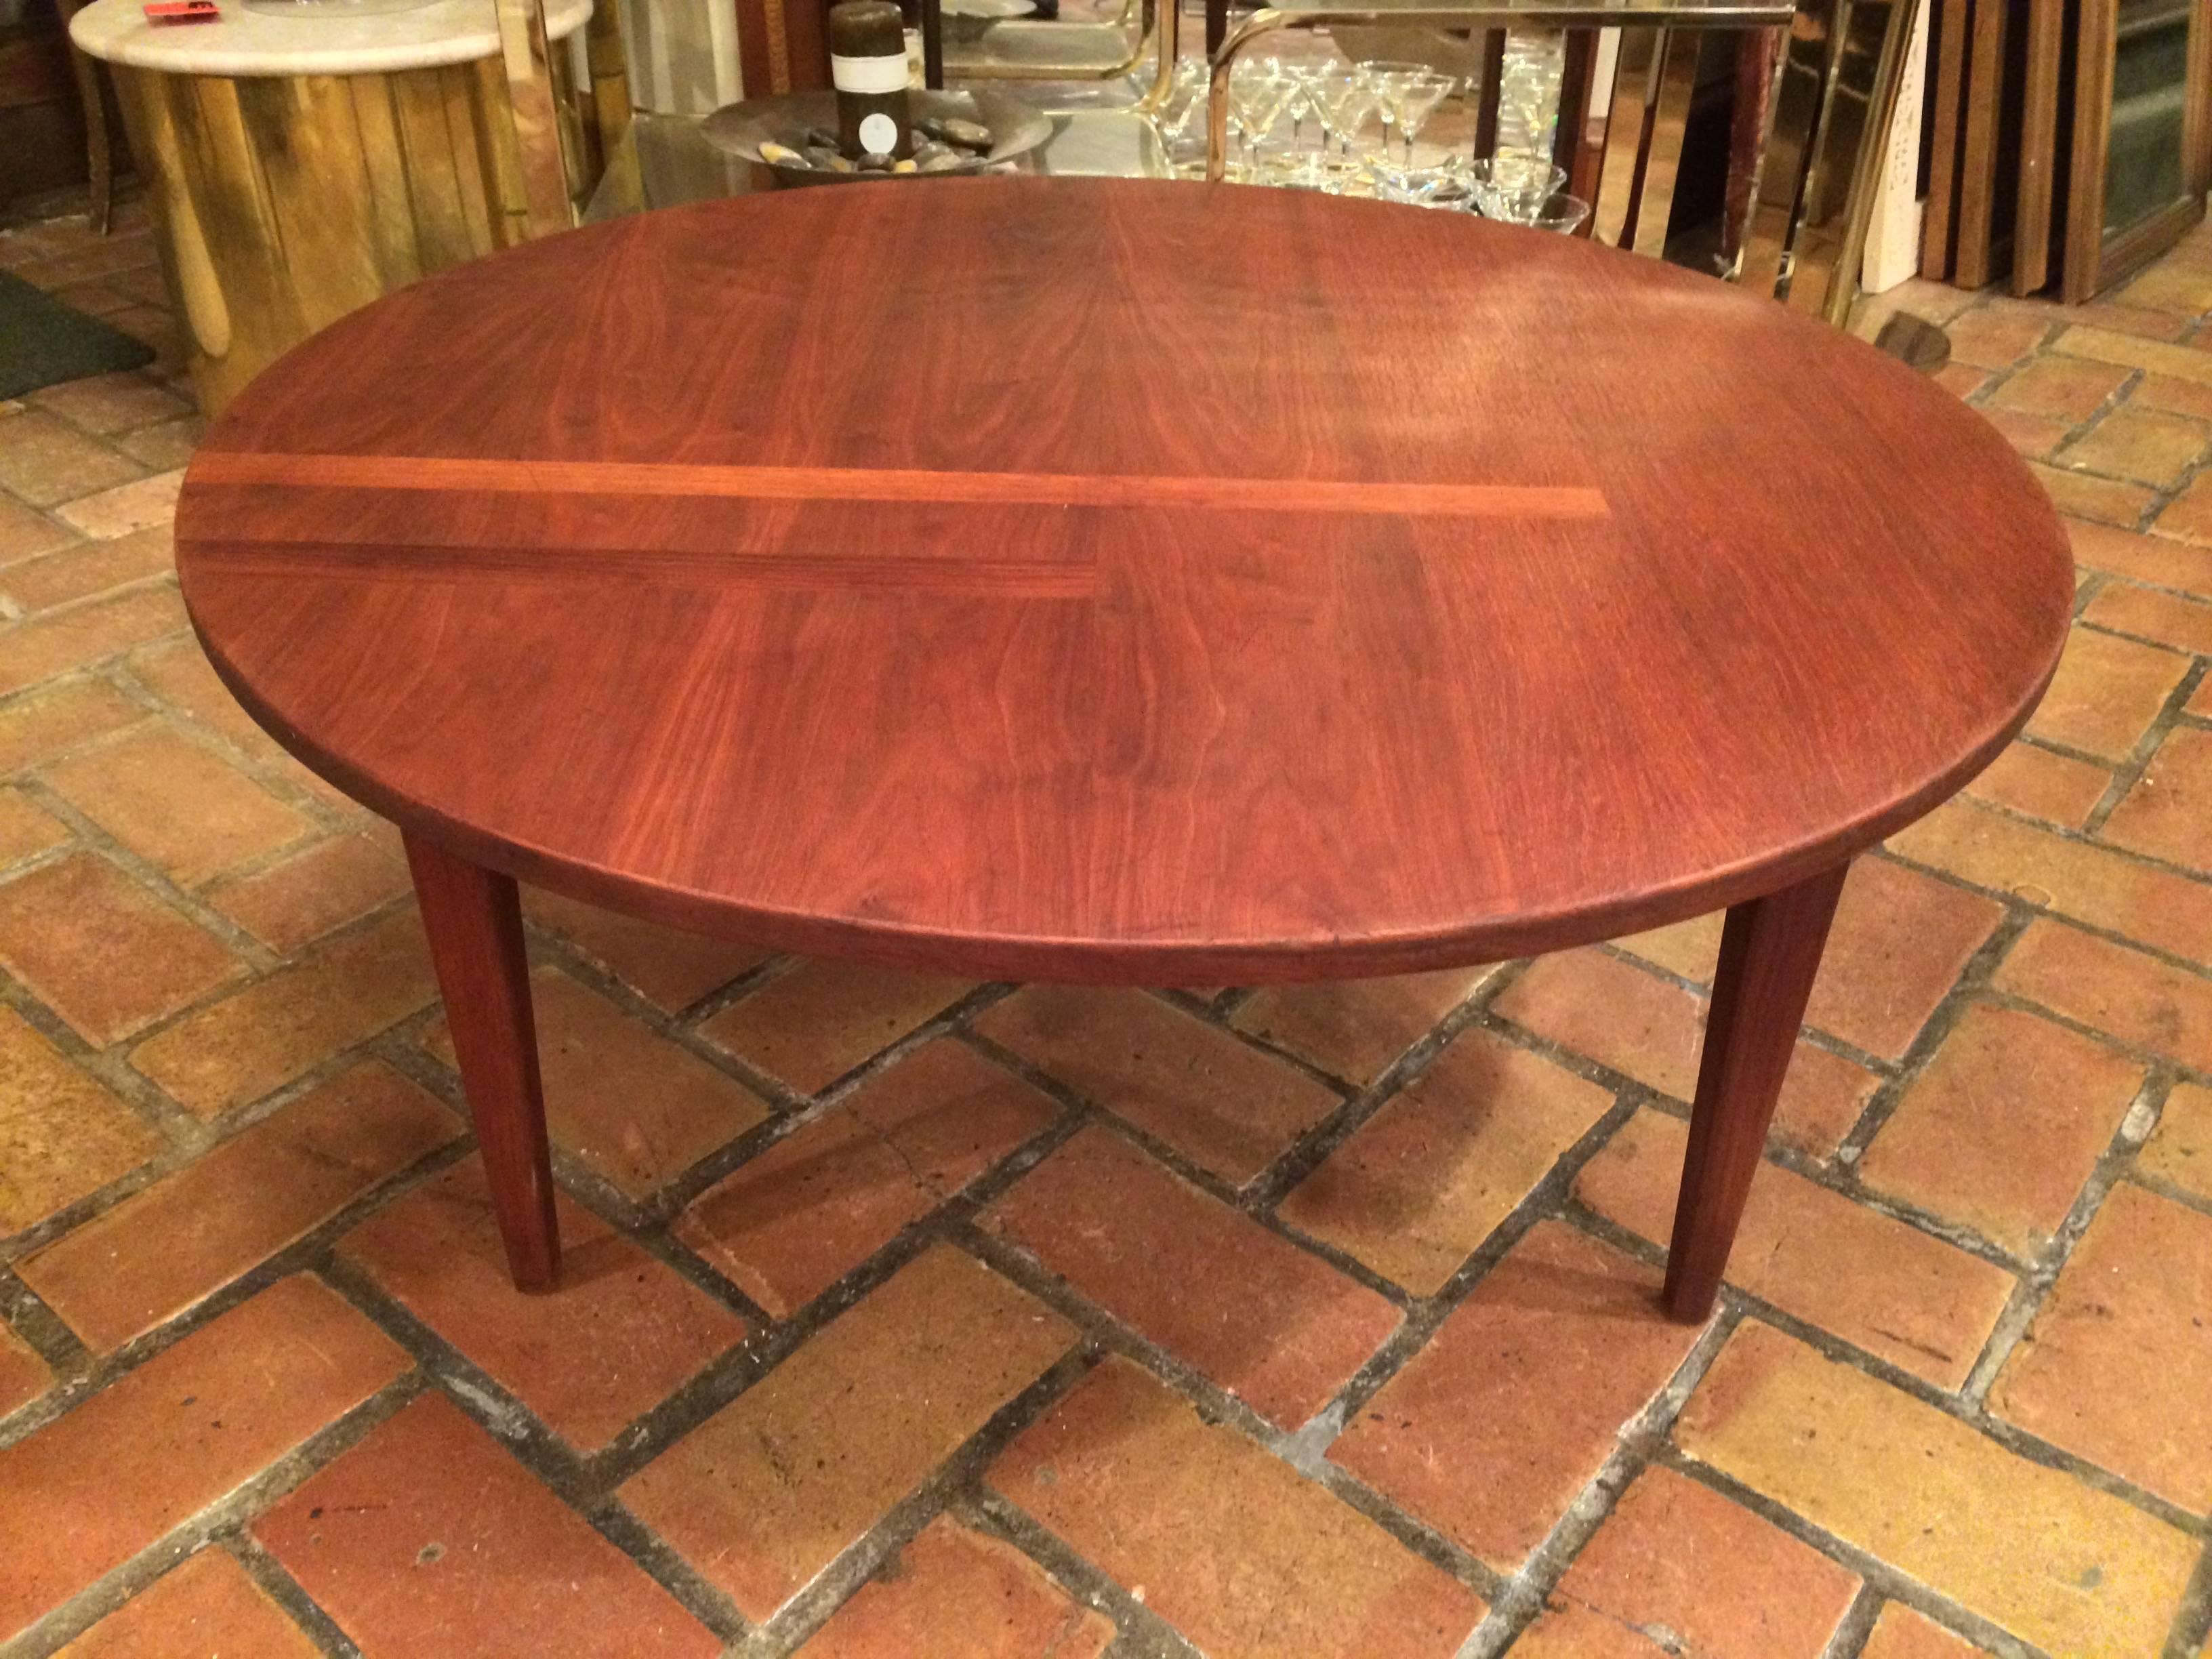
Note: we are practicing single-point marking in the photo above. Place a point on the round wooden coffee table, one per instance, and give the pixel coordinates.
(1120, 582)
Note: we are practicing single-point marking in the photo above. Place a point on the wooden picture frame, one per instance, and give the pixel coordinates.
(2099, 255)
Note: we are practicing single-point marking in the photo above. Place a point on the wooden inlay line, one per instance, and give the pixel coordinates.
(830, 483)
(1025, 578)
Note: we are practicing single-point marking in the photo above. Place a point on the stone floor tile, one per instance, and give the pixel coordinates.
(89, 568)
(1988, 337)
(2043, 785)
(790, 1222)
(1219, 1103)
(2184, 624)
(2034, 1550)
(1355, 1028)
(92, 1489)
(1690, 949)
(1235, 1549)
(100, 256)
(2200, 703)
(1571, 1630)
(207, 1608)
(1823, 1097)
(26, 534)
(2089, 884)
(178, 673)
(1418, 1187)
(126, 507)
(2160, 560)
(2188, 516)
(954, 1594)
(2104, 346)
(44, 461)
(163, 1249)
(808, 1027)
(2068, 390)
(108, 403)
(2140, 444)
(2175, 288)
(621, 1333)
(1491, 1432)
(776, 1485)
(2029, 435)
(2163, 392)
(178, 806)
(97, 297)
(166, 446)
(2180, 1151)
(1634, 1021)
(53, 722)
(1677, 1556)
(25, 830)
(1273, 1324)
(1962, 380)
(2004, 1126)
(78, 635)
(306, 893)
(636, 1106)
(1920, 1304)
(263, 1037)
(1895, 948)
(669, 969)
(427, 1538)
(2103, 499)
(23, 1376)
(2118, 1366)
(2131, 996)
(101, 951)
(1638, 1024)
(1901, 1633)
(2106, 694)
(2168, 813)
(62, 1134)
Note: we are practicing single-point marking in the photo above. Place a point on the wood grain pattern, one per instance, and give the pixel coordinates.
(1770, 951)
(846, 483)
(474, 921)
(1253, 736)
(1946, 77)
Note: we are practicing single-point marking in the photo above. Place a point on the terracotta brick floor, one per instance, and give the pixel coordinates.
(913, 1317)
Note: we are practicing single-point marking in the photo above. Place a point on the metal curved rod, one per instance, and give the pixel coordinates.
(1167, 24)
(1266, 21)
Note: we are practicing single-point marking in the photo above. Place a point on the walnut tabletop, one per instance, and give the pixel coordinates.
(1120, 581)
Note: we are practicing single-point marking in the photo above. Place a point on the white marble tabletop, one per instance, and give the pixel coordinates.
(310, 37)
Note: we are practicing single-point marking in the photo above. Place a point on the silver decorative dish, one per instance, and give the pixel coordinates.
(785, 119)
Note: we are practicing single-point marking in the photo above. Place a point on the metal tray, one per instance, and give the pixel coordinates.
(741, 129)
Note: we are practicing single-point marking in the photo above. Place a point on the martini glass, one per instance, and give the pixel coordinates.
(1391, 82)
(1256, 96)
(1515, 188)
(1345, 101)
(1418, 94)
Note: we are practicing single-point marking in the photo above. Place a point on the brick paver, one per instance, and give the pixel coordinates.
(910, 1319)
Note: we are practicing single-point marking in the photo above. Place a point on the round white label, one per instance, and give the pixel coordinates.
(879, 133)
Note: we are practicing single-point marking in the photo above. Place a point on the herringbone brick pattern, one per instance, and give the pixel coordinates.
(913, 1317)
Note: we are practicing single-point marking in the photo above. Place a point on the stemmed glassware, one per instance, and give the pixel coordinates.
(1345, 101)
(1259, 89)
(1418, 94)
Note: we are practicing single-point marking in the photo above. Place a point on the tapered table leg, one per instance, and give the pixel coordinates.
(474, 918)
(1770, 950)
